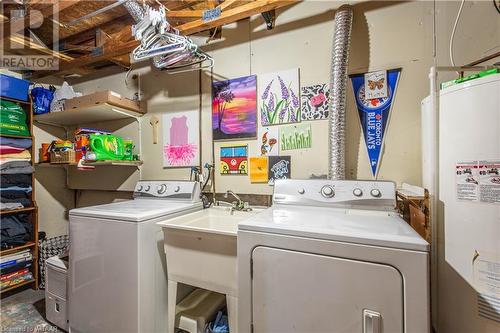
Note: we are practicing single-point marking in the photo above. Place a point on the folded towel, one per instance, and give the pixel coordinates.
(15, 142)
(10, 205)
(15, 180)
(5, 149)
(27, 189)
(6, 163)
(25, 202)
(24, 155)
(18, 170)
(15, 230)
(6, 194)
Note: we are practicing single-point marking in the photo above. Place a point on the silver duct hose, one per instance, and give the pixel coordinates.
(338, 86)
(135, 10)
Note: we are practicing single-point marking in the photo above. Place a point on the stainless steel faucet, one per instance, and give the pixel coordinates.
(239, 205)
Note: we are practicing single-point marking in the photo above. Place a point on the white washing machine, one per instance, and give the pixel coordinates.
(332, 256)
(117, 275)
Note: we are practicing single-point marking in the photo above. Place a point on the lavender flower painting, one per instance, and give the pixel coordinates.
(279, 97)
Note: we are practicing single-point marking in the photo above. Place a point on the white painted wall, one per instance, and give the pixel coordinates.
(302, 38)
(385, 35)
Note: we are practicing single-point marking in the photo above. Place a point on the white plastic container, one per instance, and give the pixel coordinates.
(195, 311)
(56, 291)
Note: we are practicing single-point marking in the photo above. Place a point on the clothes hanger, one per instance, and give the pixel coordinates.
(170, 50)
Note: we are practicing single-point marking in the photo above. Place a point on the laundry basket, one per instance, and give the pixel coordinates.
(49, 247)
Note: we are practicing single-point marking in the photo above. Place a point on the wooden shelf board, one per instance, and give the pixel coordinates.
(17, 248)
(15, 100)
(87, 115)
(115, 163)
(16, 211)
(17, 285)
(97, 163)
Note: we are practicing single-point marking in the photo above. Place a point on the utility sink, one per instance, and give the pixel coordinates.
(215, 220)
(201, 248)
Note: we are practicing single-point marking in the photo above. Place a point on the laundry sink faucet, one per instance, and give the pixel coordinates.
(239, 205)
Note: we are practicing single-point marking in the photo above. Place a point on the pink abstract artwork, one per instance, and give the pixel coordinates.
(180, 139)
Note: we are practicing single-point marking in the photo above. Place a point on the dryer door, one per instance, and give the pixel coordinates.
(303, 292)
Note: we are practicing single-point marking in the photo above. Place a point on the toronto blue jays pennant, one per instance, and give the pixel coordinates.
(374, 113)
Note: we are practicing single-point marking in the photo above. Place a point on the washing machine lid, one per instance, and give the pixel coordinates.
(365, 227)
(137, 210)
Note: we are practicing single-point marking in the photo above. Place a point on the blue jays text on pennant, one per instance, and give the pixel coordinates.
(374, 113)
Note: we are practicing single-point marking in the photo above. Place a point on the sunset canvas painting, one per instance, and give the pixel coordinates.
(234, 108)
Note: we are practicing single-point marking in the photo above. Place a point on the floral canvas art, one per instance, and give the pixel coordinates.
(279, 95)
(234, 108)
(268, 140)
(181, 139)
(314, 100)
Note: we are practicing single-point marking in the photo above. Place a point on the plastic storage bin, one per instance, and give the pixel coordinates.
(195, 311)
(56, 291)
(14, 88)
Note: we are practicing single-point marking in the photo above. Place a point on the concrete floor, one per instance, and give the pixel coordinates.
(24, 311)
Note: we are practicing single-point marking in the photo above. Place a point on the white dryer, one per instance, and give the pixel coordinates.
(332, 256)
(117, 276)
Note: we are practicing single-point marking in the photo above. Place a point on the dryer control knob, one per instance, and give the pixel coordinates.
(357, 192)
(375, 193)
(327, 191)
(161, 188)
(148, 188)
(177, 189)
(139, 188)
(301, 191)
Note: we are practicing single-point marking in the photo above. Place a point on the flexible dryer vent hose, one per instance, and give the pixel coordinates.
(338, 86)
(135, 10)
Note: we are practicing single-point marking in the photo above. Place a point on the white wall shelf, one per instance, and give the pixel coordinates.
(96, 163)
(86, 115)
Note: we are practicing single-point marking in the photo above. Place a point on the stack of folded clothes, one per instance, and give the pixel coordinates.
(15, 230)
(16, 170)
(15, 268)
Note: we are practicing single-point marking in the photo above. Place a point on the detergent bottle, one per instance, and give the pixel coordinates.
(107, 147)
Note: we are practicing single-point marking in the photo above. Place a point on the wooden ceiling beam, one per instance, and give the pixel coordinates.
(116, 47)
(36, 17)
(185, 13)
(233, 15)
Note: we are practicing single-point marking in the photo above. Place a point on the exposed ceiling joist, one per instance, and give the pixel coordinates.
(234, 14)
(35, 17)
(117, 48)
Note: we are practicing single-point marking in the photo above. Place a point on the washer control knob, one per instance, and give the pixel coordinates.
(302, 191)
(161, 188)
(139, 188)
(177, 189)
(375, 193)
(327, 191)
(357, 192)
(148, 188)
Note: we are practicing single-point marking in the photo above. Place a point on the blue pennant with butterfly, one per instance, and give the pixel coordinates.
(374, 113)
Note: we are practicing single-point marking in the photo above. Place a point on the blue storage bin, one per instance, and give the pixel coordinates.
(14, 88)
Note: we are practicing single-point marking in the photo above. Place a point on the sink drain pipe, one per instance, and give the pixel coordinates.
(338, 86)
